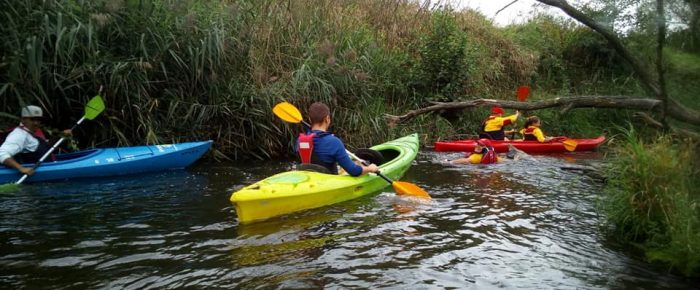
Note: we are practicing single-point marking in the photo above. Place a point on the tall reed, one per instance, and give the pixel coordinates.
(651, 200)
(196, 69)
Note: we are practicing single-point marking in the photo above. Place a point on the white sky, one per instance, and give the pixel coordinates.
(519, 12)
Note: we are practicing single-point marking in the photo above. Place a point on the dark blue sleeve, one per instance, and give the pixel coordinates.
(344, 160)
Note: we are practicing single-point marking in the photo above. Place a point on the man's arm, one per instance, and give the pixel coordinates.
(12, 146)
(346, 163)
(11, 162)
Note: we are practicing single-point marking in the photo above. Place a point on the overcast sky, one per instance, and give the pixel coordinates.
(516, 13)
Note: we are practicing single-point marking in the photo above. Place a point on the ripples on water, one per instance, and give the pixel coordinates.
(527, 224)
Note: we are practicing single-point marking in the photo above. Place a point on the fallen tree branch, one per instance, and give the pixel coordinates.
(644, 104)
(645, 77)
(649, 120)
(656, 87)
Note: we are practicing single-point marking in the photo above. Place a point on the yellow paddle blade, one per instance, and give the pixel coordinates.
(287, 112)
(406, 188)
(570, 144)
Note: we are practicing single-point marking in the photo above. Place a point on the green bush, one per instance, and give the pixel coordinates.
(445, 64)
(651, 200)
(195, 69)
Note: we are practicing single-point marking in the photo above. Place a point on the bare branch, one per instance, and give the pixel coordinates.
(639, 103)
(504, 7)
(657, 88)
(649, 120)
(639, 69)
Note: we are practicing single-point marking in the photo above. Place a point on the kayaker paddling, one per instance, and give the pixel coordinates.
(318, 146)
(532, 131)
(492, 127)
(26, 143)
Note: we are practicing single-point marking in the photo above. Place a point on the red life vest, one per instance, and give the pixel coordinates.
(489, 157)
(306, 147)
(489, 154)
(528, 134)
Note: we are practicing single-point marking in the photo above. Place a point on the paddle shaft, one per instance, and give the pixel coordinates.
(50, 151)
(365, 163)
(522, 94)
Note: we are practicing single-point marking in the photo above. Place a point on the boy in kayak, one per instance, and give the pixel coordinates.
(484, 153)
(27, 142)
(320, 147)
(532, 131)
(492, 127)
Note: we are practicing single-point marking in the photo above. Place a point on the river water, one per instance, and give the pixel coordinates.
(526, 225)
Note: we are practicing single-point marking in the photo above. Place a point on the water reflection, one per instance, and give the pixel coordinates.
(515, 225)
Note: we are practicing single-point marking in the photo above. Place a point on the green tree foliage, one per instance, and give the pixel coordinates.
(445, 63)
(573, 59)
(184, 70)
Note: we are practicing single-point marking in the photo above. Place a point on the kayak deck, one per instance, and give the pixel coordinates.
(113, 162)
(293, 191)
(526, 146)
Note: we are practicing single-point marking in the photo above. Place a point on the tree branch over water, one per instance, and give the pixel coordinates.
(639, 68)
(667, 106)
(671, 107)
(620, 102)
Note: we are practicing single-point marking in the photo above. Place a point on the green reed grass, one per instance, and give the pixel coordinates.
(651, 200)
(183, 70)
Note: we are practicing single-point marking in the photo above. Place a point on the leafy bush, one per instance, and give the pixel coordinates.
(651, 200)
(444, 61)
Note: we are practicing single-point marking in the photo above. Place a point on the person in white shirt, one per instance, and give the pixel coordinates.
(27, 142)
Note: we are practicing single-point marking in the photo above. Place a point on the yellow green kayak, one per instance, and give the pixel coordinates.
(292, 191)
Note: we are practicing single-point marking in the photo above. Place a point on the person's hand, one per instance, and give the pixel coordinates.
(67, 132)
(27, 171)
(372, 168)
(517, 112)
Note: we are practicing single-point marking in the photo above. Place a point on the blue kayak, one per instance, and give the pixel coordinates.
(113, 161)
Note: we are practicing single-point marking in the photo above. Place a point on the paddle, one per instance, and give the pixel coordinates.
(289, 113)
(569, 144)
(523, 93)
(93, 108)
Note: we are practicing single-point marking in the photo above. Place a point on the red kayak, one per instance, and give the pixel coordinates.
(526, 146)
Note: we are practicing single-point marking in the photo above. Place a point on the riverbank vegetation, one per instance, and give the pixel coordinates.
(194, 69)
(176, 71)
(651, 201)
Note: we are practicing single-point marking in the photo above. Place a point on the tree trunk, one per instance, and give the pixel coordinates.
(620, 102)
